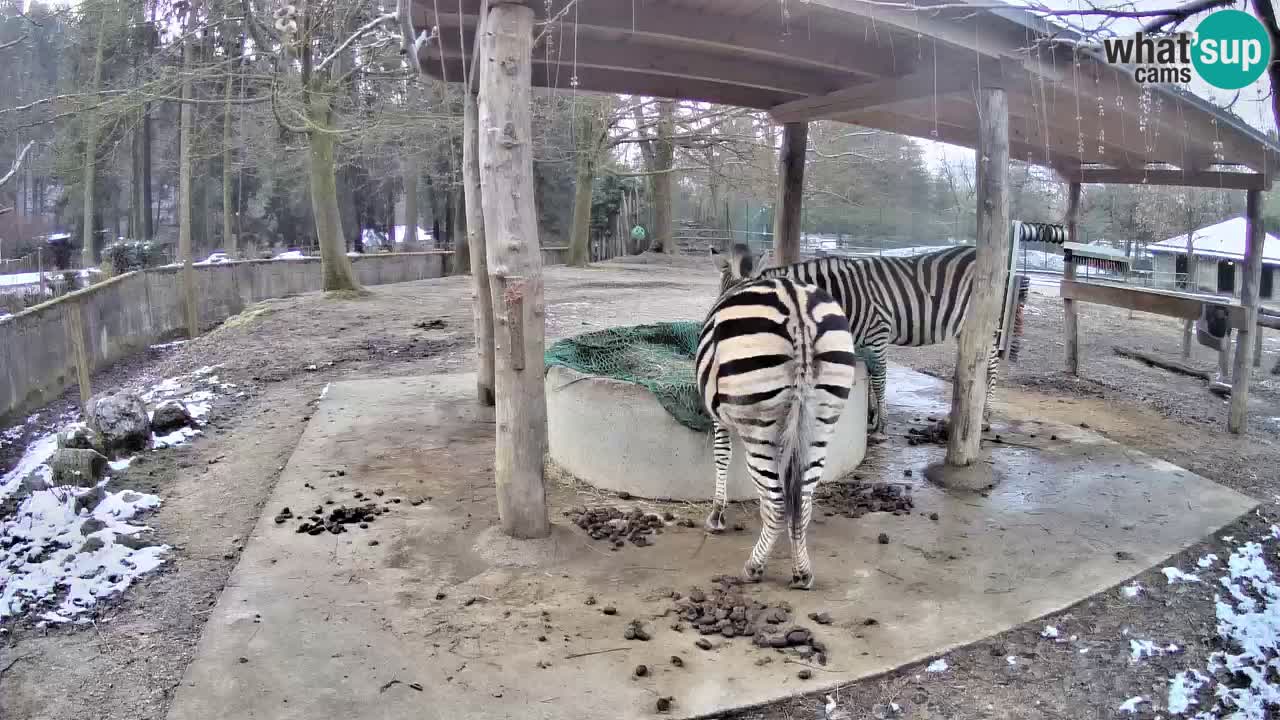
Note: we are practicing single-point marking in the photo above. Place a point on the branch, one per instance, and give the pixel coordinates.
(1182, 12)
(359, 33)
(17, 164)
(12, 43)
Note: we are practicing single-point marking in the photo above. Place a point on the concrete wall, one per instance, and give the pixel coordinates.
(128, 313)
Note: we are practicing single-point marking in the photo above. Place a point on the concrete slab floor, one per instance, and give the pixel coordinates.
(445, 618)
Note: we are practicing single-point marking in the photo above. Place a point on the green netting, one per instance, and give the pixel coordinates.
(657, 356)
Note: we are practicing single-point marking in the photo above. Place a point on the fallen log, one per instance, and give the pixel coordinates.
(1163, 363)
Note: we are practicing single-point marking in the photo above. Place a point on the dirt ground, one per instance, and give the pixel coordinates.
(282, 353)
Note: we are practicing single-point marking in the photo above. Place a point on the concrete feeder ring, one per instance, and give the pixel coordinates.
(616, 436)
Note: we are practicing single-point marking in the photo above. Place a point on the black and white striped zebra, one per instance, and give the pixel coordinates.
(775, 363)
(912, 301)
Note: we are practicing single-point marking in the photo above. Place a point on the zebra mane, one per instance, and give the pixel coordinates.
(736, 267)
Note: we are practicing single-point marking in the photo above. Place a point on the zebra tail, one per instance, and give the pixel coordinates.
(794, 446)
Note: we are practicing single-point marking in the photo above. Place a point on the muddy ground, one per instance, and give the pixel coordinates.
(283, 352)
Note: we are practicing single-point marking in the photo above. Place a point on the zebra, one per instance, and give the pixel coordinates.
(774, 366)
(912, 301)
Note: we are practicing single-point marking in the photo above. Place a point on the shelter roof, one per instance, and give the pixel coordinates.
(911, 68)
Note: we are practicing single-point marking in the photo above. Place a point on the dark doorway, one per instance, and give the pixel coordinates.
(1226, 276)
(1265, 289)
(1180, 271)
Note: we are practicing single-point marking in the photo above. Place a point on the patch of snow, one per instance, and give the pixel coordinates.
(44, 559)
(119, 465)
(1140, 649)
(937, 666)
(1174, 575)
(1207, 560)
(1183, 688)
(174, 439)
(1049, 631)
(1011, 659)
(1131, 705)
(36, 455)
(1132, 590)
(165, 346)
(325, 391)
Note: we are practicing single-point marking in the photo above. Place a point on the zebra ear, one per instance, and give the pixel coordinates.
(741, 261)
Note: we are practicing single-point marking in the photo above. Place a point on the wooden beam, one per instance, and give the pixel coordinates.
(990, 273)
(608, 80)
(515, 268)
(878, 93)
(1149, 300)
(786, 217)
(1183, 178)
(1238, 419)
(1070, 319)
(481, 298)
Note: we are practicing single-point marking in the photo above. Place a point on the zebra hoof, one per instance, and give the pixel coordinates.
(801, 581)
(753, 573)
(715, 521)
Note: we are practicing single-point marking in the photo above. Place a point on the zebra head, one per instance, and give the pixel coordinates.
(735, 266)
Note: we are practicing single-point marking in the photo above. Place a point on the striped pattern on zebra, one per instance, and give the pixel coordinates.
(774, 366)
(911, 301)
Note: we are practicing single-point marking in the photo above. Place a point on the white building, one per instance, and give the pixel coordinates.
(1219, 253)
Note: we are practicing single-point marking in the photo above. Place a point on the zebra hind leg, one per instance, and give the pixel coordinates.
(772, 515)
(801, 569)
(722, 451)
(993, 374)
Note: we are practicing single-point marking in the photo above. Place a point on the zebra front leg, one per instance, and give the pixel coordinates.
(722, 451)
(993, 373)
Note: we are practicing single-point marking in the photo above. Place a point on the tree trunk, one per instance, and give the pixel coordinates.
(580, 238)
(230, 242)
(664, 154)
(1238, 417)
(184, 193)
(968, 398)
(88, 241)
(481, 304)
(409, 215)
(334, 262)
(148, 212)
(461, 254)
(515, 269)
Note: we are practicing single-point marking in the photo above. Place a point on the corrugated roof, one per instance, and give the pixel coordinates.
(1224, 240)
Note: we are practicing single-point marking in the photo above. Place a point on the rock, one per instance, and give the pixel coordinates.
(703, 643)
(133, 542)
(822, 618)
(805, 674)
(76, 436)
(664, 704)
(677, 661)
(92, 544)
(883, 538)
(74, 466)
(34, 482)
(89, 500)
(91, 526)
(169, 416)
(120, 422)
(642, 670)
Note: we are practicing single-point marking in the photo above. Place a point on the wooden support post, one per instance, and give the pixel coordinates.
(1257, 347)
(40, 271)
(1237, 421)
(989, 277)
(481, 298)
(1070, 320)
(78, 339)
(514, 266)
(786, 217)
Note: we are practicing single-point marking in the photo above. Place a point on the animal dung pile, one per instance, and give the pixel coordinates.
(726, 612)
(617, 527)
(936, 432)
(857, 499)
(336, 519)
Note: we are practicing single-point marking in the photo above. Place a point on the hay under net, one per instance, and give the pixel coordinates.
(658, 357)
